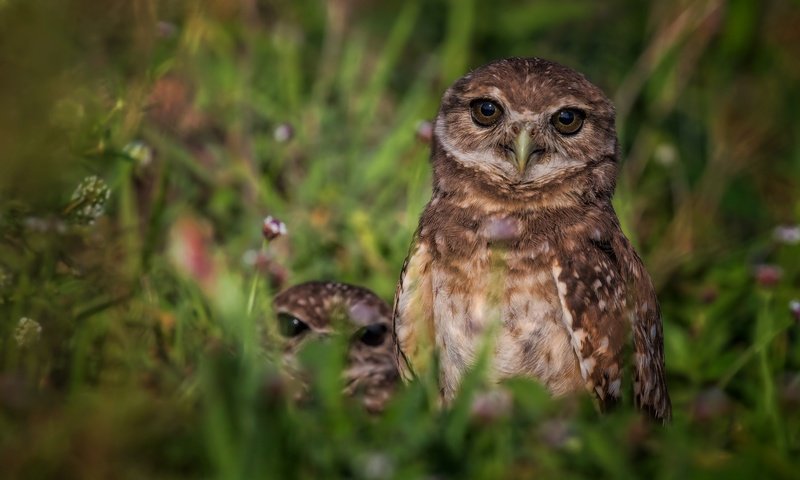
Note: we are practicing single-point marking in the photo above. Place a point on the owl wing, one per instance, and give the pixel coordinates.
(593, 305)
(412, 318)
(649, 382)
(603, 287)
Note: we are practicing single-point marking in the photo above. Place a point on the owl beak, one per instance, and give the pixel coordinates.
(524, 149)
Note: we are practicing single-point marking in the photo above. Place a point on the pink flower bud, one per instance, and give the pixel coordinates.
(710, 404)
(768, 275)
(490, 406)
(425, 131)
(709, 294)
(190, 250)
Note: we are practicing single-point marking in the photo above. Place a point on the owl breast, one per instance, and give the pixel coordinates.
(497, 294)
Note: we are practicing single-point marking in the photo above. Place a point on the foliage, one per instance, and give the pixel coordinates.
(144, 142)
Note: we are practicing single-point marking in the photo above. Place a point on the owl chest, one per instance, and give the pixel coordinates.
(501, 299)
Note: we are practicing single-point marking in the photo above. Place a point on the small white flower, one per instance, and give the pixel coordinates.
(794, 307)
(27, 332)
(283, 133)
(139, 152)
(377, 465)
(787, 234)
(250, 257)
(665, 154)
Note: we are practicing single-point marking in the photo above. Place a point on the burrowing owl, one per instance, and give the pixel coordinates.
(323, 308)
(520, 240)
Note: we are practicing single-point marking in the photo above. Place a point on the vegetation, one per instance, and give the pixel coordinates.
(144, 142)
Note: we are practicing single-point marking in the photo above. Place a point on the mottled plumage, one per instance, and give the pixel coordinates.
(323, 308)
(520, 239)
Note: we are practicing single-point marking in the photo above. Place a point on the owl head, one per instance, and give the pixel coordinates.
(520, 125)
(316, 310)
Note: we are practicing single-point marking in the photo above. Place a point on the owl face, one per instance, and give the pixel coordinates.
(322, 309)
(525, 122)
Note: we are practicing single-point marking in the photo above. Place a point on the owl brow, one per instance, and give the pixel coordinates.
(576, 105)
(492, 93)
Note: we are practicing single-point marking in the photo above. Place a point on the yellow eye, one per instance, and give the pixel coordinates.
(568, 120)
(485, 112)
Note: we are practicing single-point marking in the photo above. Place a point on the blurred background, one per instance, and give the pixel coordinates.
(143, 143)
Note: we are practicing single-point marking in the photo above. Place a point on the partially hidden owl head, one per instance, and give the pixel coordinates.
(317, 310)
(526, 123)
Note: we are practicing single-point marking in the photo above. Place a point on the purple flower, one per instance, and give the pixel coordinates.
(273, 228)
(787, 234)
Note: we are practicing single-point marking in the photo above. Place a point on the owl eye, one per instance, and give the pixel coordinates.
(485, 112)
(290, 326)
(568, 120)
(372, 335)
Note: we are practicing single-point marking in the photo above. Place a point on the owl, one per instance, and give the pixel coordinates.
(519, 252)
(319, 309)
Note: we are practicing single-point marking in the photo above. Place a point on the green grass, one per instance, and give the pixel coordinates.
(156, 357)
